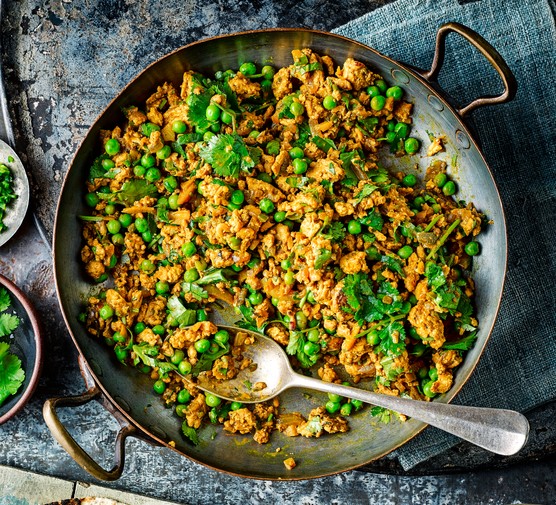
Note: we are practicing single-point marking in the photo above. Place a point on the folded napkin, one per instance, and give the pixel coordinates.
(518, 368)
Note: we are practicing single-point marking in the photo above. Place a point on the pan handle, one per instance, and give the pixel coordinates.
(491, 54)
(82, 458)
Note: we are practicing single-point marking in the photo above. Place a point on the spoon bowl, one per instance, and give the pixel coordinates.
(270, 373)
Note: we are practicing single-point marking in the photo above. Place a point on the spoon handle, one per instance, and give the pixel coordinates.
(497, 430)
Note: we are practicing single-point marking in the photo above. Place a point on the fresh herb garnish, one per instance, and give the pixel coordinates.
(131, 192)
(7, 194)
(228, 155)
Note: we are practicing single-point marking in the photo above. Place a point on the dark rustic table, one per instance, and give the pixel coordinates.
(63, 62)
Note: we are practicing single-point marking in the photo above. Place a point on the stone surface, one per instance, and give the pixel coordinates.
(64, 61)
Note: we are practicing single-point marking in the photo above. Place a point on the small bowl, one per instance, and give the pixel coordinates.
(26, 345)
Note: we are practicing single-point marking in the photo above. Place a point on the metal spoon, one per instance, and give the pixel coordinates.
(500, 431)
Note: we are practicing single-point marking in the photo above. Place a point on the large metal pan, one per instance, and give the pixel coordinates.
(128, 393)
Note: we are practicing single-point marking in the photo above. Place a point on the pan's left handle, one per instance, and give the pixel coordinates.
(81, 457)
(486, 49)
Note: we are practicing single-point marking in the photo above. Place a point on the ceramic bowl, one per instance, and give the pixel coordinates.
(26, 344)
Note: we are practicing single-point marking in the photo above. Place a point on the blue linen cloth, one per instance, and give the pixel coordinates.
(518, 368)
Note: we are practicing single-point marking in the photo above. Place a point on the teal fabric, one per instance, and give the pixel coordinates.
(518, 369)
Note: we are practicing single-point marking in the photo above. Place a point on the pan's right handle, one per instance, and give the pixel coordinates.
(81, 457)
(491, 54)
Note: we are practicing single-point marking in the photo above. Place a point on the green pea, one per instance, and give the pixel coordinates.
(329, 102)
(191, 275)
(138, 328)
(267, 72)
(299, 166)
(296, 153)
(381, 85)
(266, 86)
(357, 404)
(418, 201)
(237, 197)
(405, 252)
(159, 329)
(255, 298)
(125, 220)
(106, 312)
(440, 179)
(373, 91)
(311, 298)
(248, 68)
(332, 407)
(177, 357)
(395, 92)
(113, 226)
(164, 153)
(419, 349)
(121, 353)
(113, 261)
(147, 266)
(433, 374)
(263, 176)
(427, 389)
(289, 278)
(301, 320)
(409, 180)
(373, 253)
(236, 406)
(148, 161)
(207, 136)
(119, 338)
(141, 225)
(162, 287)
(313, 336)
(91, 199)
(212, 112)
(112, 147)
(286, 264)
(152, 174)
(273, 147)
(147, 236)
(188, 249)
(402, 130)
(411, 145)
(297, 108)
(378, 102)
(423, 373)
(202, 315)
(110, 209)
(179, 126)
(335, 398)
(107, 164)
(184, 396)
(413, 331)
(279, 216)
(391, 126)
(234, 243)
(184, 367)
(289, 223)
(346, 408)
(391, 137)
(139, 171)
(159, 386)
(354, 227)
(148, 128)
(266, 205)
(202, 345)
(472, 248)
(226, 118)
(221, 337)
(173, 201)
(449, 188)
(212, 400)
(373, 338)
(181, 410)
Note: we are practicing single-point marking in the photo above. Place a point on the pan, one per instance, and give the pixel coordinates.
(128, 394)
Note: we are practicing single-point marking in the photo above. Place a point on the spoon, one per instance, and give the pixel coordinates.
(500, 431)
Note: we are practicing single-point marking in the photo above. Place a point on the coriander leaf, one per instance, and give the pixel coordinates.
(228, 155)
(447, 297)
(184, 317)
(11, 373)
(8, 323)
(335, 232)
(5, 300)
(190, 433)
(368, 124)
(223, 88)
(352, 290)
(145, 353)
(303, 135)
(132, 191)
(393, 264)
(390, 372)
(366, 190)
(322, 258)
(392, 339)
(463, 344)
(97, 171)
(314, 425)
(434, 274)
(198, 104)
(373, 219)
